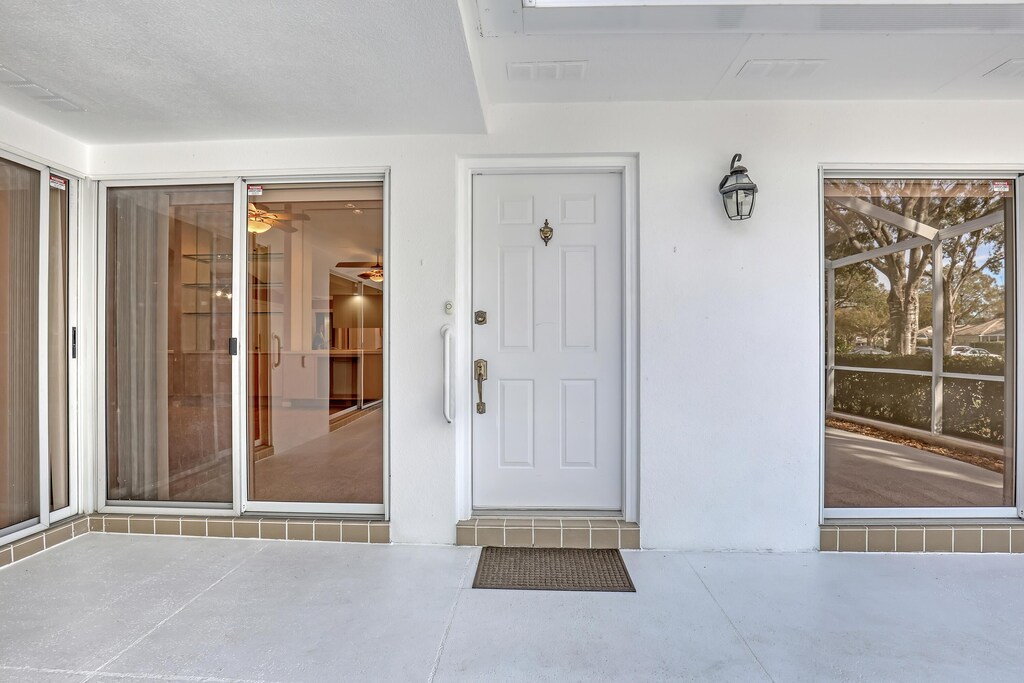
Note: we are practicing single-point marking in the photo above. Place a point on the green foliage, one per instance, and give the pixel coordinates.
(899, 399)
(921, 361)
(971, 409)
(967, 365)
(974, 365)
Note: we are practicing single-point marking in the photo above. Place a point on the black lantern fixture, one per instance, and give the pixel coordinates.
(738, 191)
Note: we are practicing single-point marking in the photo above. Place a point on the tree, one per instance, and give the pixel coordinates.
(937, 204)
(969, 291)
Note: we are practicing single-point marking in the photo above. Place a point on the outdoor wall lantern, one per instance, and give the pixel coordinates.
(738, 191)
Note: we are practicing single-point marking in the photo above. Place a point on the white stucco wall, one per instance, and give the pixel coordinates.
(27, 138)
(729, 311)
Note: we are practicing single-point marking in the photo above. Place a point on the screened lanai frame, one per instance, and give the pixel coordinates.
(72, 288)
(1012, 477)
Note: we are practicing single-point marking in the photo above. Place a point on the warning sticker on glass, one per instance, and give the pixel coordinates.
(58, 183)
(1001, 186)
(255, 190)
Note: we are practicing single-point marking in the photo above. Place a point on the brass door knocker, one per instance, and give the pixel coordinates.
(546, 232)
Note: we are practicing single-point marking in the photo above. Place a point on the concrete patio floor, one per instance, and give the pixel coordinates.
(109, 607)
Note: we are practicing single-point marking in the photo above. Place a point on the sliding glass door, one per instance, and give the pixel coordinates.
(244, 346)
(316, 278)
(37, 473)
(169, 298)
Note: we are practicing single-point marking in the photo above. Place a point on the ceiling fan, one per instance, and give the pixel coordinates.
(375, 272)
(261, 219)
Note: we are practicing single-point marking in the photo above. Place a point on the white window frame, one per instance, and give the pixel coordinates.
(1014, 291)
(46, 517)
(143, 506)
(361, 510)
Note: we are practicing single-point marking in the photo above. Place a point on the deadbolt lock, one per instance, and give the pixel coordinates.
(480, 317)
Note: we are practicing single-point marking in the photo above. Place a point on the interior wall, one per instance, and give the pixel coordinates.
(730, 312)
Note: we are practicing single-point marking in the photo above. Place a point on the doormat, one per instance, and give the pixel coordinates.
(553, 569)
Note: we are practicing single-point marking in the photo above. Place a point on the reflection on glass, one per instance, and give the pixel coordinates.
(57, 330)
(168, 325)
(916, 388)
(316, 323)
(19, 344)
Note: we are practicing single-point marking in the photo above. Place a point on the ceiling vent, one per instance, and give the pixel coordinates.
(1013, 68)
(546, 71)
(780, 69)
(19, 83)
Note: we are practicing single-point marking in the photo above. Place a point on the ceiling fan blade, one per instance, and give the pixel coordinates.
(284, 227)
(357, 264)
(258, 207)
(364, 276)
(280, 215)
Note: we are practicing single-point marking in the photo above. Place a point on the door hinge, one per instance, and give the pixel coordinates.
(233, 346)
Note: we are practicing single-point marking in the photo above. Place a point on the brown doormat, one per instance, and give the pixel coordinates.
(553, 569)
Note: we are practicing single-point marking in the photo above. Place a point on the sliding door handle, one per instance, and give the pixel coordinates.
(277, 361)
(480, 374)
(446, 393)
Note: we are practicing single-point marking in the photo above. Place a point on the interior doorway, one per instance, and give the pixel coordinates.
(315, 276)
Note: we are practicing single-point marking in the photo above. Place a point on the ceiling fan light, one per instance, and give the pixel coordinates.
(375, 275)
(258, 227)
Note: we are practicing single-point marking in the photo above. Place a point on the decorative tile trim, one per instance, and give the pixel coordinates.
(266, 528)
(548, 532)
(276, 528)
(30, 545)
(923, 538)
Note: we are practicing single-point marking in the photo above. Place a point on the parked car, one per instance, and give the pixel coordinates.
(960, 350)
(974, 351)
(924, 350)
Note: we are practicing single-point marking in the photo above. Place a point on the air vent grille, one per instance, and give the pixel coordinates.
(15, 81)
(780, 69)
(546, 71)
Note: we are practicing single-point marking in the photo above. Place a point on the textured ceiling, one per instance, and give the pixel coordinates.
(210, 69)
(865, 52)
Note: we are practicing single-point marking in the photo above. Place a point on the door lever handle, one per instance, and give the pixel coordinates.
(480, 374)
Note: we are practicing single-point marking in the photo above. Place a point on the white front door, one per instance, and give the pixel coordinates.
(550, 436)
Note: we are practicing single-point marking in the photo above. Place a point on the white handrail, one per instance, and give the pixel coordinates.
(446, 334)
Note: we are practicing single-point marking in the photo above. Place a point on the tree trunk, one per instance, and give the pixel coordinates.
(903, 312)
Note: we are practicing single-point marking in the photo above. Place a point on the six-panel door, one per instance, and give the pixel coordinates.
(551, 436)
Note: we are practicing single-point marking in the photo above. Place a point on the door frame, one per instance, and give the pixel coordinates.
(627, 166)
(240, 384)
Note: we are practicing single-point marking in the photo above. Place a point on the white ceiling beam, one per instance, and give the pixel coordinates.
(986, 221)
(877, 253)
(878, 213)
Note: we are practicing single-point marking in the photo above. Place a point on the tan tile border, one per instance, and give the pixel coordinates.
(949, 537)
(548, 532)
(306, 529)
